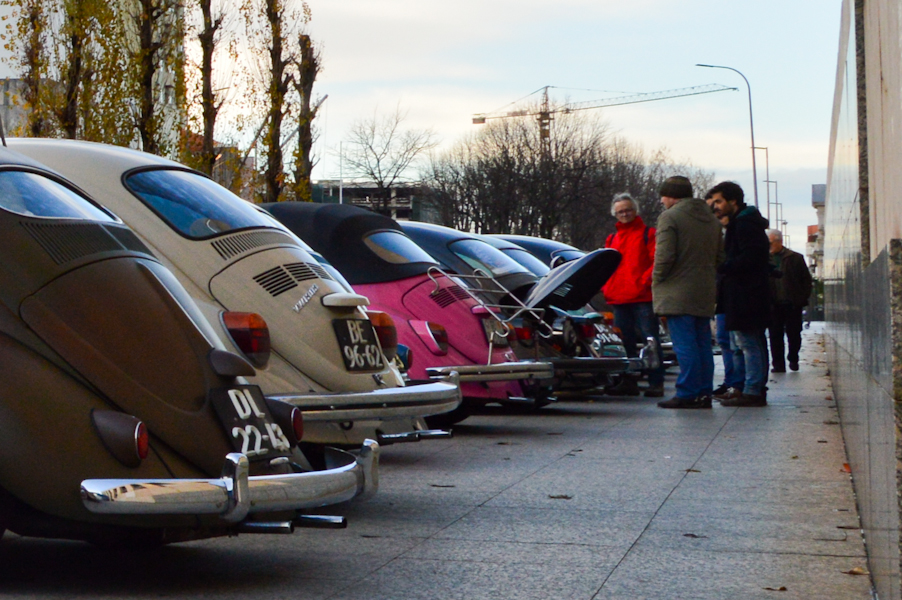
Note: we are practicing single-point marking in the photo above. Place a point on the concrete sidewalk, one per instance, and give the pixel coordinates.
(585, 499)
(616, 498)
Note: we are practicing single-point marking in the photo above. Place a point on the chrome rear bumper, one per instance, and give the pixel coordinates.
(420, 400)
(507, 371)
(648, 359)
(236, 494)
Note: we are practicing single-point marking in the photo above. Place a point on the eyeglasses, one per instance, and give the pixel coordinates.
(625, 211)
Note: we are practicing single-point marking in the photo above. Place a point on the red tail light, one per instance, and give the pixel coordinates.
(525, 334)
(440, 335)
(586, 331)
(250, 334)
(297, 423)
(142, 440)
(384, 327)
(608, 318)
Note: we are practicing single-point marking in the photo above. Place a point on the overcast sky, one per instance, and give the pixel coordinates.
(444, 61)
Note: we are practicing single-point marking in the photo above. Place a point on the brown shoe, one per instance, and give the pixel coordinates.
(745, 401)
(677, 402)
(731, 393)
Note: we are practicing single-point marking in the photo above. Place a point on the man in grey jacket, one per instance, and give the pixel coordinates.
(689, 247)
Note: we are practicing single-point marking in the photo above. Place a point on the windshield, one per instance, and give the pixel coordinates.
(529, 261)
(481, 255)
(34, 195)
(193, 205)
(396, 248)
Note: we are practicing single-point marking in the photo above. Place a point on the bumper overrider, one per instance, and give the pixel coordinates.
(648, 359)
(507, 371)
(236, 494)
(409, 401)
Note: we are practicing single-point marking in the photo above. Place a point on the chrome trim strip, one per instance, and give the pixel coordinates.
(507, 371)
(419, 400)
(648, 359)
(235, 495)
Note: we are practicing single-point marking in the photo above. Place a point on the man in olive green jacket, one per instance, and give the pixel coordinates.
(689, 246)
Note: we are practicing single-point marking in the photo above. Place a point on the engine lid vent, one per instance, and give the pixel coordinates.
(239, 243)
(449, 295)
(65, 242)
(285, 277)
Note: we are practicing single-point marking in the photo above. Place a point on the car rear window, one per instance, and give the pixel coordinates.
(193, 205)
(481, 255)
(396, 248)
(528, 260)
(35, 195)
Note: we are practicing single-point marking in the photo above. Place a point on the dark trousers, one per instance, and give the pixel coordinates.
(787, 320)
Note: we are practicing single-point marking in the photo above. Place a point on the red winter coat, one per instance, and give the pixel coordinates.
(631, 282)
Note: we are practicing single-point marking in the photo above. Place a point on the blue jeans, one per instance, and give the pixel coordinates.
(748, 351)
(641, 316)
(691, 338)
(732, 376)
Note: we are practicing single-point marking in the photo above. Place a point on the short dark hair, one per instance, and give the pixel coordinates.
(730, 190)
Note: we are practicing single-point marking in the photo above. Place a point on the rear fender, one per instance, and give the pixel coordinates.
(48, 443)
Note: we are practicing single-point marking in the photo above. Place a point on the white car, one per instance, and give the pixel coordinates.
(326, 355)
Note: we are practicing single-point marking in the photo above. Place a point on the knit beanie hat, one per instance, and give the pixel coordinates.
(676, 187)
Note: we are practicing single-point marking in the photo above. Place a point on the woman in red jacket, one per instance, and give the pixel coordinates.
(628, 291)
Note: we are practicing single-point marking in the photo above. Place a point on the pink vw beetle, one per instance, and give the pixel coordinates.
(445, 328)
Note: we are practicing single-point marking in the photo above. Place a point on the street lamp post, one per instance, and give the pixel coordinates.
(766, 175)
(751, 124)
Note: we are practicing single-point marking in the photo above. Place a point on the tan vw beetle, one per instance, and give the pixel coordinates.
(327, 357)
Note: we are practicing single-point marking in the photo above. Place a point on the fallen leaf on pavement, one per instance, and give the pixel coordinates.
(848, 527)
(693, 471)
(846, 468)
(857, 571)
(782, 588)
(439, 485)
(828, 397)
(794, 457)
(693, 535)
(560, 497)
(831, 422)
(822, 441)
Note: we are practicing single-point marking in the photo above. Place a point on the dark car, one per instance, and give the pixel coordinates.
(123, 418)
(544, 299)
(552, 252)
(606, 341)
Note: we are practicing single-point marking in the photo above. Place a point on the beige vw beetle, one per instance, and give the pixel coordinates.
(326, 356)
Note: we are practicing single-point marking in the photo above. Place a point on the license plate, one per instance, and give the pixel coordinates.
(247, 422)
(359, 347)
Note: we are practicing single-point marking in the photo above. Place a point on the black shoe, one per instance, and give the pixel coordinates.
(728, 394)
(627, 386)
(745, 401)
(654, 391)
(794, 366)
(677, 402)
(779, 369)
(722, 388)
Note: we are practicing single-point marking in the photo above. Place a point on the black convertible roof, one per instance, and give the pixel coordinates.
(337, 232)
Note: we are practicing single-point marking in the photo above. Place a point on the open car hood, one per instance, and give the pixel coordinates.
(571, 285)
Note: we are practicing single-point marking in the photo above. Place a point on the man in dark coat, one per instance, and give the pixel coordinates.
(745, 290)
(789, 293)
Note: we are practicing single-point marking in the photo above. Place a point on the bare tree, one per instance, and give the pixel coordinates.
(307, 68)
(384, 153)
(505, 179)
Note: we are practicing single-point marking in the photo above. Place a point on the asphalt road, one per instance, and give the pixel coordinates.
(589, 498)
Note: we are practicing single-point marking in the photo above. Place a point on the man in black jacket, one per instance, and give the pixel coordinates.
(789, 293)
(744, 291)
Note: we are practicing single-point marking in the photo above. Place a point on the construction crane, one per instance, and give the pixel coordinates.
(544, 112)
